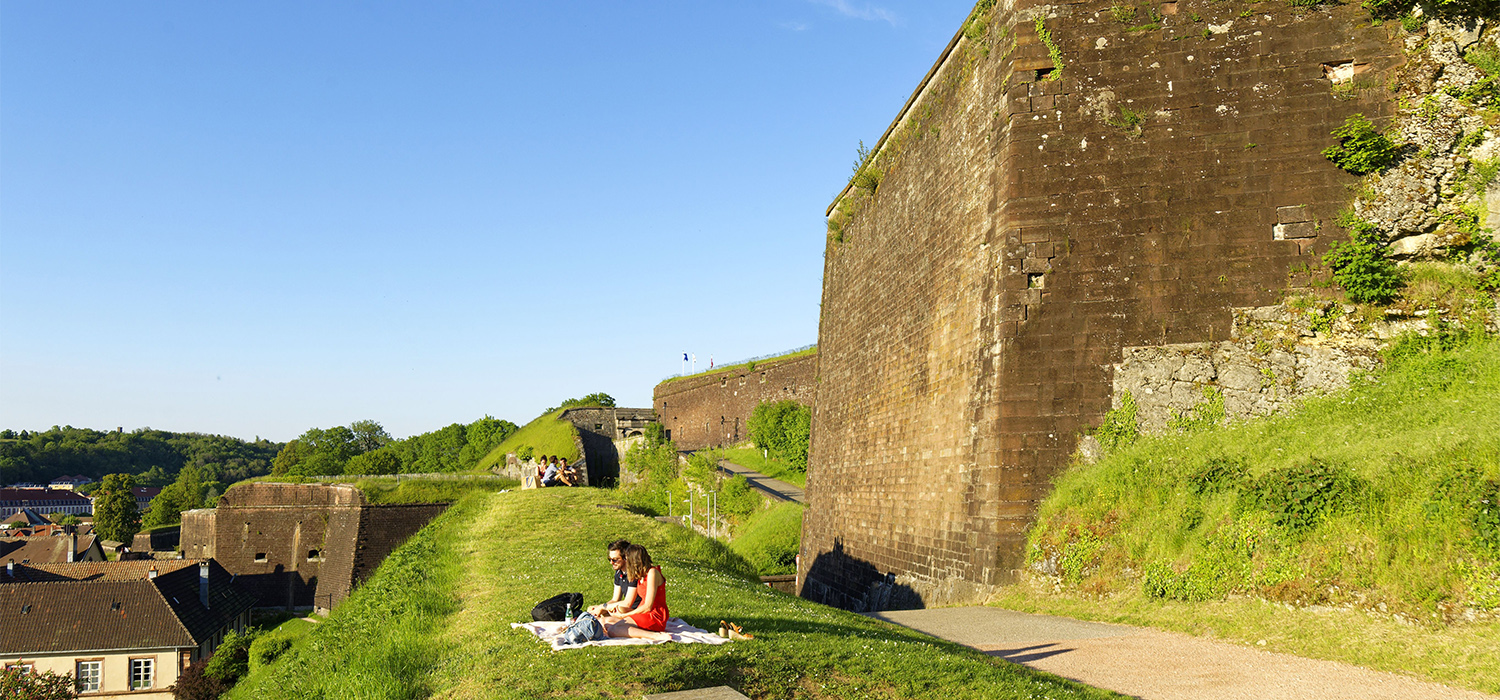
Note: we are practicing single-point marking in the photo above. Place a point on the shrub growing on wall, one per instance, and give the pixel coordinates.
(1361, 266)
(1362, 149)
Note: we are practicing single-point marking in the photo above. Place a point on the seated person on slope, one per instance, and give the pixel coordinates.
(648, 619)
(567, 473)
(553, 475)
(624, 597)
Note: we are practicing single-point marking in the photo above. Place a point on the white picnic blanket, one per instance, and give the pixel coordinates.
(680, 631)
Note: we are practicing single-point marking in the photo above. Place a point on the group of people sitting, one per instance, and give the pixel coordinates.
(554, 471)
(638, 607)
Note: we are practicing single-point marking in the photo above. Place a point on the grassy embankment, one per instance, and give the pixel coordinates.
(751, 457)
(546, 435)
(435, 621)
(770, 539)
(1362, 527)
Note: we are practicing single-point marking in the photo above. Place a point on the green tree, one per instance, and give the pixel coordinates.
(291, 455)
(380, 461)
(782, 428)
(369, 436)
(115, 514)
(183, 494)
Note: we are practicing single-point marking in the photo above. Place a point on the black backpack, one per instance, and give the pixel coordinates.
(555, 608)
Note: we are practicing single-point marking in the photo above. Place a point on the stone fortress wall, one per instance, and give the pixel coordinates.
(604, 435)
(300, 545)
(1050, 198)
(713, 409)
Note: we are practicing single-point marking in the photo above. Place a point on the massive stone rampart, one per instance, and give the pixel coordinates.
(298, 545)
(713, 410)
(1063, 185)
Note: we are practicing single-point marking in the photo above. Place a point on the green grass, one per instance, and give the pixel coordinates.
(435, 621)
(770, 539)
(1460, 655)
(750, 458)
(745, 366)
(1381, 497)
(546, 435)
(381, 490)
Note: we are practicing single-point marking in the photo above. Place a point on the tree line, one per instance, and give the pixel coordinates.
(364, 447)
(153, 457)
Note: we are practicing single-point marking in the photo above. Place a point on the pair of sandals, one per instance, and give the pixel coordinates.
(733, 631)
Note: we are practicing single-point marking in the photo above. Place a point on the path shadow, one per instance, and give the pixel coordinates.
(1035, 652)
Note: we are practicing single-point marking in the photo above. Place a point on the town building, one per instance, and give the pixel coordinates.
(46, 501)
(68, 483)
(120, 627)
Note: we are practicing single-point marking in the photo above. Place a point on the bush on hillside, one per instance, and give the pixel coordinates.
(231, 659)
(195, 683)
(783, 428)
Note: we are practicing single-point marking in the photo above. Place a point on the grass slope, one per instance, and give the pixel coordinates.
(750, 458)
(385, 490)
(771, 538)
(1328, 531)
(546, 435)
(435, 619)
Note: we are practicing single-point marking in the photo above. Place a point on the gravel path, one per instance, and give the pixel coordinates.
(1159, 665)
(774, 488)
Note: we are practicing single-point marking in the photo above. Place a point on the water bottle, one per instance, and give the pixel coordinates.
(568, 616)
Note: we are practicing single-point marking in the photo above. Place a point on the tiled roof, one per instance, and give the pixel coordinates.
(26, 516)
(73, 616)
(96, 570)
(225, 601)
(57, 616)
(41, 550)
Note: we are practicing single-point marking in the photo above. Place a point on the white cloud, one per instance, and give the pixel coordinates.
(867, 12)
(794, 26)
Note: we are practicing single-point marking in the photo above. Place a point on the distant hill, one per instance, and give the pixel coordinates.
(155, 456)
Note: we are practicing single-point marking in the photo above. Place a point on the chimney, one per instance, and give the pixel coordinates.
(203, 583)
(72, 544)
(152, 573)
(10, 568)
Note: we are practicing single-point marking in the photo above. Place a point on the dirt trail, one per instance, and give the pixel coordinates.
(1159, 665)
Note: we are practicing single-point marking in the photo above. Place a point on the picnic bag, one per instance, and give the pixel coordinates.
(555, 608)
(585, 629)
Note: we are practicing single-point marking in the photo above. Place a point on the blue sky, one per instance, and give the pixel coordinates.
(257, 218)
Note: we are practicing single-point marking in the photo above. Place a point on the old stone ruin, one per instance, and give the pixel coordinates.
(1087, 199)
(300, 545)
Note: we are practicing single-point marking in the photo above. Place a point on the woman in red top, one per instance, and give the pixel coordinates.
(648, 619)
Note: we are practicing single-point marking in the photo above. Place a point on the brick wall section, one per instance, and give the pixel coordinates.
(381, 530)
(318, 541)
(973, 313)
(713, 410)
